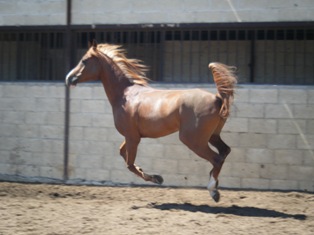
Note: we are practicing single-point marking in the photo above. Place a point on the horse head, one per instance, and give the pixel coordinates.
(87, 69)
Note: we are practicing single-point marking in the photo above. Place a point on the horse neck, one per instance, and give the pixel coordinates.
(114, 82)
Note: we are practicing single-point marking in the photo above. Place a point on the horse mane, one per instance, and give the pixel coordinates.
(133, 69)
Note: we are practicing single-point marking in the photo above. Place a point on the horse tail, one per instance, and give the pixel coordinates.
(225, 79)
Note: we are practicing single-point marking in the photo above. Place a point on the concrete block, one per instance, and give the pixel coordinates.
(250, 110)
(38, 118)
(48, 159)
(78, 173)
(75, 105)
(99, 93)
(170, 139)
(92, 161)
(14, 91)
(17, 104)
(307, 185)
(272, 171)
(292, 96)
(262, 126)
(226, 170)
(55, 91)
(237, 155)
(259, 156)
(310, 95)
(283, 184)
(102, 120)
(7, 169)
(236, 125)
(229, 182)
(93, 106)
(28, 170)
(81, 119)
(51, 172)
(281, 141)
(309, 127)
(276, 111)
(51, 132)
(308, 158)
(196, 167)
(303, 111)
(9, 143)
(300, 173)
(77, 133)
(81, 92)
(245, 170)
(5, 157)
(8, 130)
(52, 146)
(291, 126)
(93, 147)
(196, 180)
(264, 96)
(152, 150)
(288, 157)
(114, 136)
(175, 180)
(27, 131)
(57, 19)
(28, 145)
(231, 139)
(147, 164)
(122, 176)
(241, 96)
(166, 166)
(305, 142)
(98, 174)
(13, 117)
(255, 183)
(49, 104)
(93, 133)
(253, 140)
(55, 118)
(177, 151)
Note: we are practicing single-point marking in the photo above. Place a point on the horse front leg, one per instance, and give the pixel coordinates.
(128, 150)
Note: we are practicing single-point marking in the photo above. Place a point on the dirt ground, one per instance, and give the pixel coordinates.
(58, 209)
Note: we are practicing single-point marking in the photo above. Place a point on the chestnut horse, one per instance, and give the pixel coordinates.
(142, 111)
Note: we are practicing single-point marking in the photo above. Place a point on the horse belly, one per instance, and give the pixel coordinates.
(157, 122)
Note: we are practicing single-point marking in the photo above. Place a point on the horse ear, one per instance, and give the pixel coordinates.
(93, 44)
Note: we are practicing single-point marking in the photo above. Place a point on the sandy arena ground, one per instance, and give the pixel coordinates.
(65, 210)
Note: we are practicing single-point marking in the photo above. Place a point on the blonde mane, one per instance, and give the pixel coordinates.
(133, 69)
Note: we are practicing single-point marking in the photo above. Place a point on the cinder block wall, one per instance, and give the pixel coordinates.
(32, 129)
(53, 12)
(271, 132)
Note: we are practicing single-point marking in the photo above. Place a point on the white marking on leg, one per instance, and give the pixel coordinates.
(212, 184)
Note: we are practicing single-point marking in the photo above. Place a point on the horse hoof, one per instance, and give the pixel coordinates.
(157, 179)
(215, 195)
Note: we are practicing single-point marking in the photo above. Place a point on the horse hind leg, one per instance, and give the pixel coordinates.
(202, 149)
(223, 150)
(128, 152)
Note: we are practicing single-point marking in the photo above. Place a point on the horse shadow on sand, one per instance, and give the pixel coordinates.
(232, 210)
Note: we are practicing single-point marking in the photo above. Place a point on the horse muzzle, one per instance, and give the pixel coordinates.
(71, 81)
(72, 78)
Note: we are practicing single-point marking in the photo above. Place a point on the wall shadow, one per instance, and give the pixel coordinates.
(232, 210)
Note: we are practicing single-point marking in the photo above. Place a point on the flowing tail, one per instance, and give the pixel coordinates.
(225, 79)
